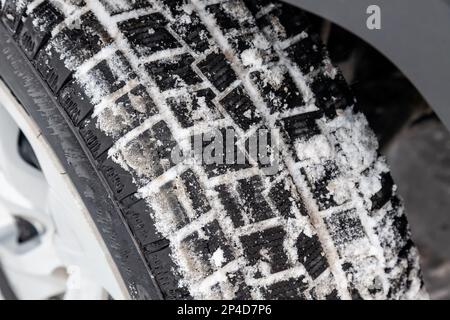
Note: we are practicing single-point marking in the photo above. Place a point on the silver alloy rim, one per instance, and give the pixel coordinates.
(67, 257)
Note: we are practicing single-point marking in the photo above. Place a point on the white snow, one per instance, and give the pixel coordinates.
(218, 258)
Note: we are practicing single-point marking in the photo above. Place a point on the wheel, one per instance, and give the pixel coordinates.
(209, 147)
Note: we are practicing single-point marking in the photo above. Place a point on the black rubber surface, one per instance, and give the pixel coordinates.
(179, 59)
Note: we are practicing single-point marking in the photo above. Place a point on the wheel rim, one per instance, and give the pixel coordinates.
(49, 247)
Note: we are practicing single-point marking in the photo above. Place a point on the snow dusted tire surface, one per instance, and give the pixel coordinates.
(132, 80)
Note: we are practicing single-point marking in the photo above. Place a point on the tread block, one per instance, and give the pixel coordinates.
(110, 75)
(241, 108)
(384, 194)
(274, 31)
(191, 30)
(349, 269)
(266, 246)
(149, 155)
(242, 290)
(116, 7)
(84, 41)
(120, 181)
(268, 21)
(140, 100)
(260, 147)
(97, 142)
(244, 41)
(253, 202)
(74, 101)
(310, 254)
(333, 295)
(166, 143)
(218, 70)
(37, 27)
(281, 196)
(148, 34)
(331, 93)
(280, 96)
(232, 207)
(169, 201)
(52, 69)
(168, 74)
(140, 221)
(198, 107)
(224, 17)
(174, 5)
(291, 289)
(307, 53)
(255, 6)
(210, 247)
(302, 126)
(345, 227)
(195, 193)
(78, 3)
(223, 160)
(140, 155)
(319, 184)
(129, 111)
(162, 267)
(292, 18)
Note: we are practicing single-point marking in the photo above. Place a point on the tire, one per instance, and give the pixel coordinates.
(116, 86)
